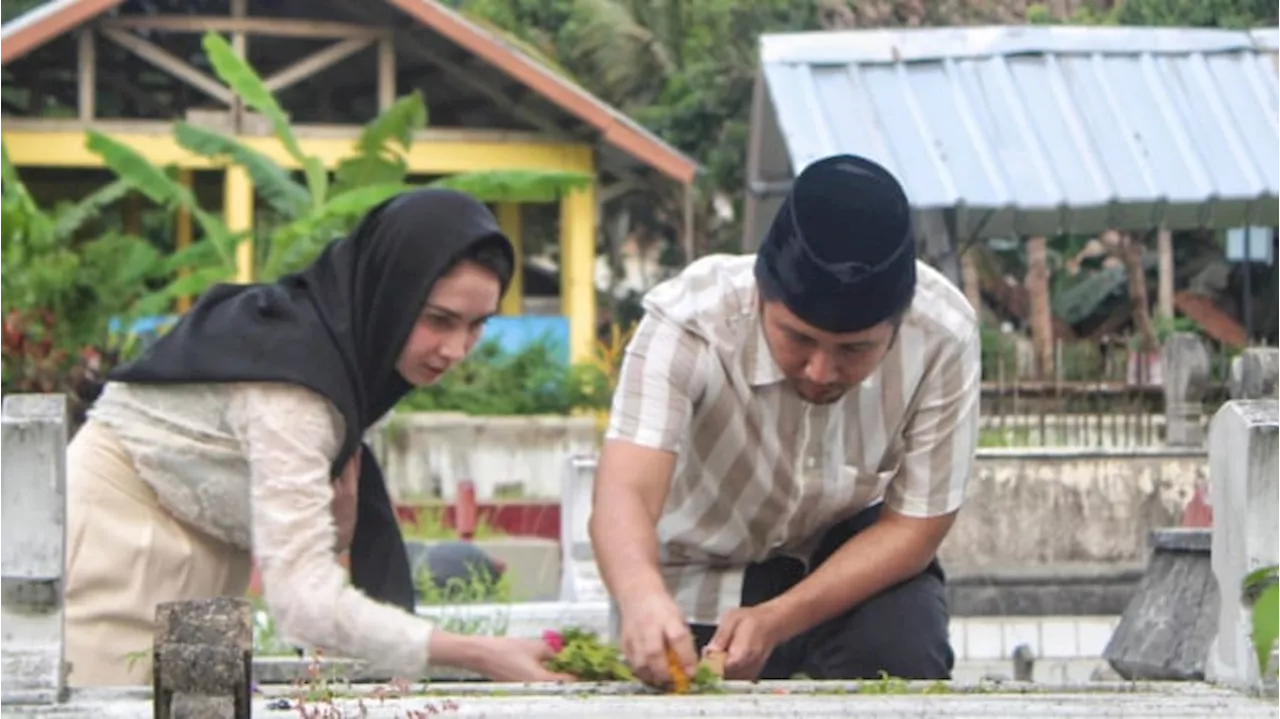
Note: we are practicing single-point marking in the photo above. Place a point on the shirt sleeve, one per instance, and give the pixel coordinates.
(290, 436)
(941, 436)
(658, 384)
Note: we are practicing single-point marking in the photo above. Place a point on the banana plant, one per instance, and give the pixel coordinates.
(309, 213)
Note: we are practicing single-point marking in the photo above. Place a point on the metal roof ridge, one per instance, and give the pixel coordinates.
(888, 45)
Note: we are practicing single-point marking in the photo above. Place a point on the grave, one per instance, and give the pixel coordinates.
(214, 634)
(1170, 623)
(32, 532)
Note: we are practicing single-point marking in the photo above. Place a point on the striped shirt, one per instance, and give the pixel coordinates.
(760, 472)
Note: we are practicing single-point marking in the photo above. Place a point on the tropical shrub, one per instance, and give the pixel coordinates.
(67, 275)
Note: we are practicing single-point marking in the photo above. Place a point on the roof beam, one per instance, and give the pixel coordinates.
(170, 63)
(272, 27)
(315, 62)
(472, 80)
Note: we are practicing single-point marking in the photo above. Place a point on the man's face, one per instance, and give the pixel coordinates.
(821, 366)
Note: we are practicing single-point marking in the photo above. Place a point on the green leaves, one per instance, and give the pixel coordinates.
(533, 380)
(245, 82)
(1261, 592)
(270, 181)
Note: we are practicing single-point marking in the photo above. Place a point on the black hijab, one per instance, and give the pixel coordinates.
(337, 328)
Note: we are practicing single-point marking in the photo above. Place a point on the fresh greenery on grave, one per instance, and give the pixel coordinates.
(1261, 592)
(583, 654)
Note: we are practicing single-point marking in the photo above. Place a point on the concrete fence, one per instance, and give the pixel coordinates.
(426, 455)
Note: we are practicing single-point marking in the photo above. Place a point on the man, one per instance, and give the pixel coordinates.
(789, 443)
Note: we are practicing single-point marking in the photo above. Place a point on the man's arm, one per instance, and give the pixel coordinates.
(648, 423)
(920, 505)
(631, 487)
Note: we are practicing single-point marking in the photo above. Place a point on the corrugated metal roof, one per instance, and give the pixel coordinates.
(1034, 130)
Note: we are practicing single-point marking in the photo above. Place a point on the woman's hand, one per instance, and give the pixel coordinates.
(519, 660)
(502, 659)
(346, 497)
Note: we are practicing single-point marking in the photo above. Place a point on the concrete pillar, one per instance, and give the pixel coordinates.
(1244, 478)
(1185, 364)
(33, 541)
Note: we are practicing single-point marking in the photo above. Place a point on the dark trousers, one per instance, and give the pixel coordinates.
(901, 631)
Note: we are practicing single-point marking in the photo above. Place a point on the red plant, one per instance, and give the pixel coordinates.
(35, 361)
(554, 640)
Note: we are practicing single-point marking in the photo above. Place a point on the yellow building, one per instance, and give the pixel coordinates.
(333, 65)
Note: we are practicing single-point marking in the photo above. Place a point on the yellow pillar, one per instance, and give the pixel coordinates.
(509, 220)
(577, 270)
(183, 236)
(237, 212)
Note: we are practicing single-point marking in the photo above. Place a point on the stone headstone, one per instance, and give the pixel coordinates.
(203, 659)
(33, 529)
(1164, 633)
(1186, 369)
(581, 580)
(1254, 373)
(1244, 489)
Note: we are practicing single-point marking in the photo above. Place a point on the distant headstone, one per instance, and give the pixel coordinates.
(203, 659)
(1164, 633)
(1186, 373)
(1254, 373)
(1244, 489)
(580, 579)
(33, 529)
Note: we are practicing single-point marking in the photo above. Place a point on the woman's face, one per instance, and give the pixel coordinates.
(450, 323)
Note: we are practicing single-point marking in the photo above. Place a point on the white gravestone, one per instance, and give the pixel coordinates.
(1244, 478)
(32, 541)
(581, 580)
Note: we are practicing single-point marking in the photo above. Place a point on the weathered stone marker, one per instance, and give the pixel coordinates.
(1255, 372)
(203, 659)
(1164, 633)
(1186, 369)
(32, 538)
(1244, 489)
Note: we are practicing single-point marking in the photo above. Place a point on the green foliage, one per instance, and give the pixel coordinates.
(1261, 592)
(480, 587)
(301, 218)
(1238, 14)
(532, 381)
(588, 658)
(429, 525)
(67, 273)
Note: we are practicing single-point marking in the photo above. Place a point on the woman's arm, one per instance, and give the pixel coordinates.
(290, 435)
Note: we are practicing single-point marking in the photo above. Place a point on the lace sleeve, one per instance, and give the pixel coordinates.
(290, 436)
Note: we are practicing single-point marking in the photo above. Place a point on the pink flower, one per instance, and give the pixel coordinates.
(553, 640)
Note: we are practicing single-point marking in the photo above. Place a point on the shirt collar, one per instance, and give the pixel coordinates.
(758, 365)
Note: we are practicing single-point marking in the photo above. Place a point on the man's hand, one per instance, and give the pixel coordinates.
(748, 636)
(346, 499)
(650, 624)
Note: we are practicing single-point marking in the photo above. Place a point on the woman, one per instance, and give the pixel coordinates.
(238, 435)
